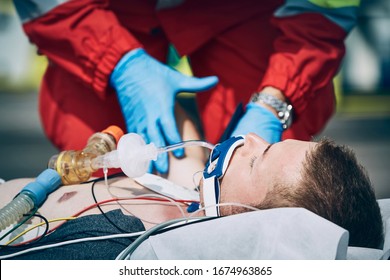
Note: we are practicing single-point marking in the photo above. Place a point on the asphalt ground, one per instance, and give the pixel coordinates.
(25, 150)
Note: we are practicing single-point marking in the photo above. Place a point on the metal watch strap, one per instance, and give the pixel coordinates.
(283, 109)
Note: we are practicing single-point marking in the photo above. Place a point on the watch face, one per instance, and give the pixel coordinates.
(284, 110)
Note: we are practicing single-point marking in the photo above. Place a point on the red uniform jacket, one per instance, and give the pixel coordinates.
(295, 46)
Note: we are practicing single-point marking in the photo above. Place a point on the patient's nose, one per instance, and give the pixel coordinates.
(254, 142)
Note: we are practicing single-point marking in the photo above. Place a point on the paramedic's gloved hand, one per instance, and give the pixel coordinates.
(146, 91)
(261, 121)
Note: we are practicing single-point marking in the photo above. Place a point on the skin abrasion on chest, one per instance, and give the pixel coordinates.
(66, 196)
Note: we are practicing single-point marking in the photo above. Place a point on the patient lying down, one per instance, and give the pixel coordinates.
(322, 177)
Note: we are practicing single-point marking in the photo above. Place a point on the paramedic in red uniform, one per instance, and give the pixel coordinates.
(107, 65)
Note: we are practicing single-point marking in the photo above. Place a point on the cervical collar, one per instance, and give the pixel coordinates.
(214, 171)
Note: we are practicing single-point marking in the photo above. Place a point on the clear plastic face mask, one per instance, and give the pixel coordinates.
(133, 155)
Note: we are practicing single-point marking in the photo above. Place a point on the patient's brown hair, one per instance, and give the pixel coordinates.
(335, 186)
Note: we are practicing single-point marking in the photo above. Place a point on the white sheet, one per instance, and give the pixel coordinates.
(283, 233)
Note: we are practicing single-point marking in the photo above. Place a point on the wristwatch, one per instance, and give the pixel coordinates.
(284, 109)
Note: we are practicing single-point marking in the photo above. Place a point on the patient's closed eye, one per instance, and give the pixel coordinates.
(253, 158)
(267, 149)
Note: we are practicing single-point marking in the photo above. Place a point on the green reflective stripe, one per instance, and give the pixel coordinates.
(331, 4)
(345, 17)
(31, 9)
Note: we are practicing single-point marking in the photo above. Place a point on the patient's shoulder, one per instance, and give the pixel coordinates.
(14, 183)
(10, 188)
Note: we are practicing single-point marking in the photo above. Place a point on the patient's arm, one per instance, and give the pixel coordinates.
(181, 171)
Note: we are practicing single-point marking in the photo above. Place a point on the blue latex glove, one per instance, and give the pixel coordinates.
(261, 121)
(146, 91)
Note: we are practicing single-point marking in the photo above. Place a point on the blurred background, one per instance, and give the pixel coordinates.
(362, 120)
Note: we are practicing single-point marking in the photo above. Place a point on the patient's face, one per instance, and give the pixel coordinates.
(256, 167)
